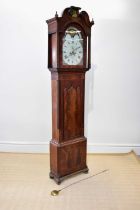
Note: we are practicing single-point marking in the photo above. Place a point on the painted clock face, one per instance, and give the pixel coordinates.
(72, 49)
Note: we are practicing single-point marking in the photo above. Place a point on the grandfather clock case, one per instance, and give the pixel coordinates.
(69, 46)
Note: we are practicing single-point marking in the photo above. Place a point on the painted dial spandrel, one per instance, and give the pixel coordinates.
(72, 47)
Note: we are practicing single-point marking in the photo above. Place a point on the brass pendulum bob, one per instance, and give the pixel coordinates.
(55, 192)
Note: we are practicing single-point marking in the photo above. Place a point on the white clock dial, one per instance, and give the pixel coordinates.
(72, 49)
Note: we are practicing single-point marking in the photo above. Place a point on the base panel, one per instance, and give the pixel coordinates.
(67, 158)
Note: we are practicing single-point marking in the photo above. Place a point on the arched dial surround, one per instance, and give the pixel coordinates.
(72, 48)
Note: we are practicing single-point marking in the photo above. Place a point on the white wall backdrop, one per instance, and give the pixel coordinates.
(112, 115)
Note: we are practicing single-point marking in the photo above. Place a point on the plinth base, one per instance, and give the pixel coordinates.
(67, 158)
(58, 180)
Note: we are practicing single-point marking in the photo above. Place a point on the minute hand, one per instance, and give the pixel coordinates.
(76, 48)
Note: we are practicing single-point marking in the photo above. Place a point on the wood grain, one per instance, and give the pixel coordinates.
(68, 144)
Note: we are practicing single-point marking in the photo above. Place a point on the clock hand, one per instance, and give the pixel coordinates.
(72, 53)
(76, 48)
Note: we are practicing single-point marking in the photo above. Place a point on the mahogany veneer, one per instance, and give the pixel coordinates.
(68, 144)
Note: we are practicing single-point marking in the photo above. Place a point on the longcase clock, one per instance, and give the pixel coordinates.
(69, 45)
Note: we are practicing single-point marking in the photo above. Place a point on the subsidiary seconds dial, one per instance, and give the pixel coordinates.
(72, 48)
